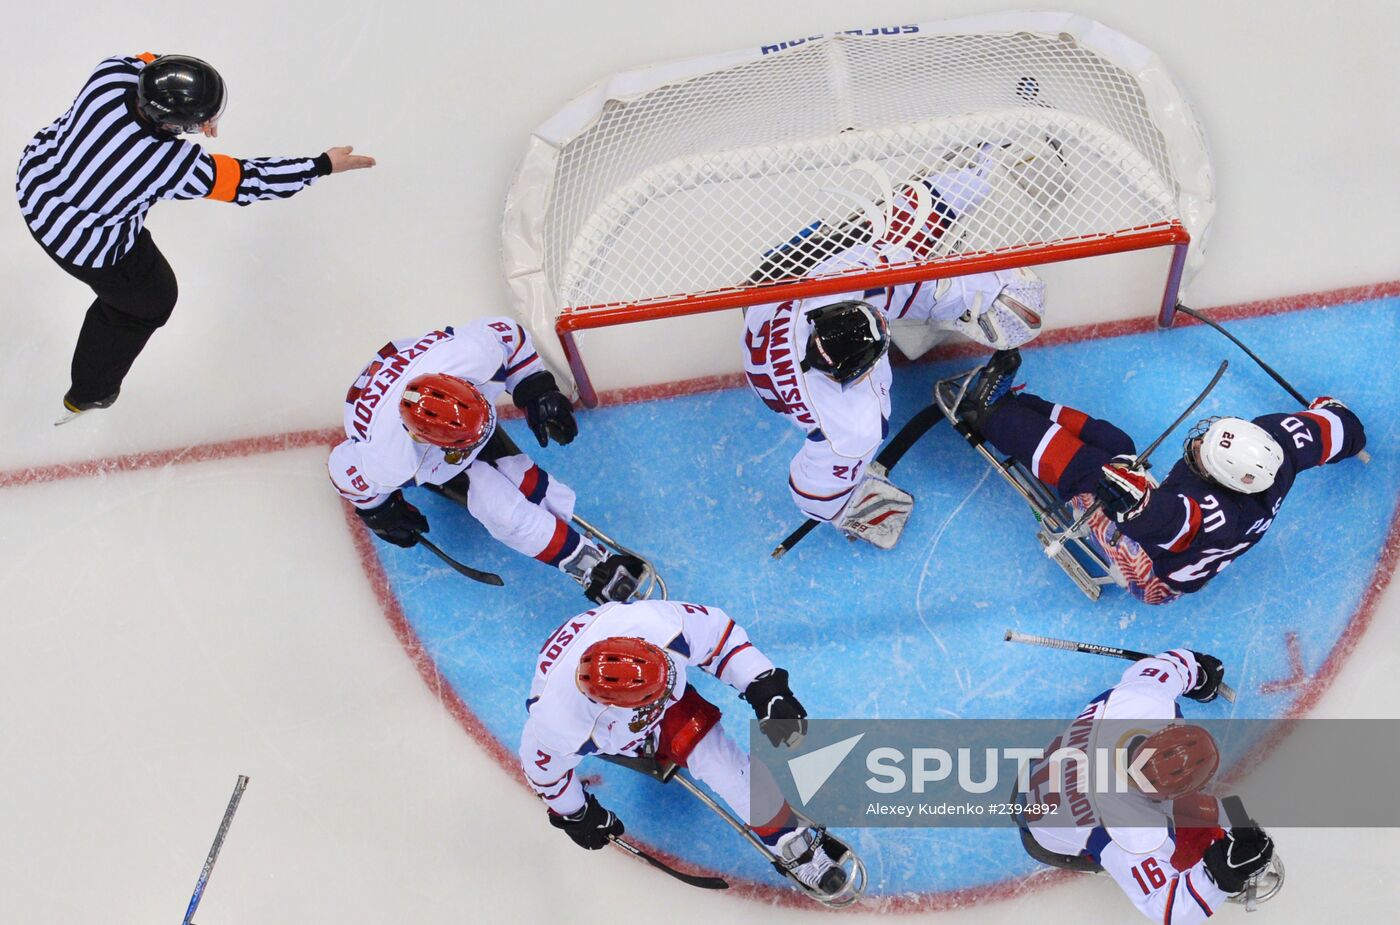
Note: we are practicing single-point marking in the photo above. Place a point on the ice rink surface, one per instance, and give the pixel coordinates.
(186, 600)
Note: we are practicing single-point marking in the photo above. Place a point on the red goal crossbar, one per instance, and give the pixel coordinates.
(572, 320)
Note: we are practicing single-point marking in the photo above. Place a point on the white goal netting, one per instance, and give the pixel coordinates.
(1018, 139)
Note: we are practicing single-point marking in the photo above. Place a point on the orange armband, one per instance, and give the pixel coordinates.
(227, 175)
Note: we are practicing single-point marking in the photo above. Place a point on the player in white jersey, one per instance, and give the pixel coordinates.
(612, 681)
(822, 361)
(1164, 848)
(423, 413)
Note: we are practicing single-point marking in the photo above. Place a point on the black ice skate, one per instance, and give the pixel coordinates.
(74, 408)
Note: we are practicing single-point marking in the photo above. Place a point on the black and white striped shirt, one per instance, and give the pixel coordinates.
(86, 181)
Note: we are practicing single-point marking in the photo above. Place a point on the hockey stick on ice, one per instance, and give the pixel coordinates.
(204, 874)
(1054, 548)
(1273, 374)
(885, 460)
(486, 578)
(704, 883)
(1226, 690)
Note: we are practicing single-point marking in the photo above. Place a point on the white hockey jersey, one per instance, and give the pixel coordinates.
(1142, 858)
(844, 426)
(378, 456)
(565, 726)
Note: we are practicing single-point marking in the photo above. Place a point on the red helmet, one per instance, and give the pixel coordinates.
(446, 411)
(1184, 760)
(624, 671)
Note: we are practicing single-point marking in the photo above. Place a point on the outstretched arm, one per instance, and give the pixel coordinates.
(1327, 432)
(246, 180)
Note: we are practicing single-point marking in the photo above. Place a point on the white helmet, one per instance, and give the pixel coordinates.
(1238, 454)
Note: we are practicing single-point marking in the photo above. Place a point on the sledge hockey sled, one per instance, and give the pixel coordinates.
(666, 771)
(1079, 556)
(651, 585)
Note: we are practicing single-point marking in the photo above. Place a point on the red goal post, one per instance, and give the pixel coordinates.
(743, 178)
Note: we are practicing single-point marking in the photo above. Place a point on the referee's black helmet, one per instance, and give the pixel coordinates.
(180, 94)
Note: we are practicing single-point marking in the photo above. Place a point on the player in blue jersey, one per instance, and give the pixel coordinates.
(1214, 505)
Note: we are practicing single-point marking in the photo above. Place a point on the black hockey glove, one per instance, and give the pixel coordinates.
(591, 827)
(395, 521)
(1236, 856)
(1210, 671)
(1123, 490)
(780, 716)
(614, 579)
(547, 411)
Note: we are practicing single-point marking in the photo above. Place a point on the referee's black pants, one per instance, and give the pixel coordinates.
(135, 296)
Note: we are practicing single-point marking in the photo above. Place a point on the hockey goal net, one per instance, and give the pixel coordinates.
(740, 179)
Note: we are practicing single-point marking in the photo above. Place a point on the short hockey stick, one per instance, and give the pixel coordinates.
(704, 883)
(1053, 549)
(665, 772)
(1226, 690)
(886, 460)
(486, 578)
(1273, 374)
(204, 874)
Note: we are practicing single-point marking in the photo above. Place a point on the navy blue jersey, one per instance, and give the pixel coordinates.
(1193, 528)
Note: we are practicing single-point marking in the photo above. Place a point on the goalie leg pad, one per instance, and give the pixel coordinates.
(877, 512)
(683, 726)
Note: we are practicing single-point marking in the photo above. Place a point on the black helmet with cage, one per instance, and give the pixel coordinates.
(846, 340)
(180, 94)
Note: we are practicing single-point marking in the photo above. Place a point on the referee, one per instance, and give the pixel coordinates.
(86, 182)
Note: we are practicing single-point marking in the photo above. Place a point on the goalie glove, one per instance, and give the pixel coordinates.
(1237, 856)
(1013, 316)
(1123, 491)
(877, 512)
(780, 716)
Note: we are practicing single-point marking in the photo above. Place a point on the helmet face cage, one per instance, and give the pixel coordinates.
(1234, 453)
(180, 94)
(847, 339)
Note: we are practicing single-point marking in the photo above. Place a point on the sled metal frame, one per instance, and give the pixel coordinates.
(665, 772)
(651, 586)
(1079, 556)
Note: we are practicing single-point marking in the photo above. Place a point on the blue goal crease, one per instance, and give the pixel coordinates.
(700, 484)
